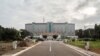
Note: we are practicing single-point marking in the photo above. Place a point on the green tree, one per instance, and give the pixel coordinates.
(10, 34)
(1, 32)
(79, 33)
(89, 33)
(24, 33)
(97, 31)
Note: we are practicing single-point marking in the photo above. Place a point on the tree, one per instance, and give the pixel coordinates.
(10, 34)
(24, 33)
(97, 31)
(89, 33)
(79, 33)
(1, 32)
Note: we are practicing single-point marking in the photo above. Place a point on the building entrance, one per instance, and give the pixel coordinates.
(50, 37)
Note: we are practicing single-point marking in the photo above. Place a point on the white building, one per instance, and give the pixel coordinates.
(51, 29)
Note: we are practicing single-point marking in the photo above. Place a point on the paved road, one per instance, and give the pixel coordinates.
(51, 48)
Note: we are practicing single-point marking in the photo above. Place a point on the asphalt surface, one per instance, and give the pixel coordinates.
(51, 48)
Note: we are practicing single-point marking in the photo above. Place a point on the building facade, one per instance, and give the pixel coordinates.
(51, 29)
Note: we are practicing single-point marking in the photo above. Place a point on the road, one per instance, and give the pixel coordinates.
(51, 48)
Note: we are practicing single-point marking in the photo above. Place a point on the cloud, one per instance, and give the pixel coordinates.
(15, 13)
(89, 11)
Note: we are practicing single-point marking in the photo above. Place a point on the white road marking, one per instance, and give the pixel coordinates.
(18, 53)
(50, 49)
(78, 51)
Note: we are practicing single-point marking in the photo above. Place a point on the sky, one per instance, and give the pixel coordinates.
(16, 13)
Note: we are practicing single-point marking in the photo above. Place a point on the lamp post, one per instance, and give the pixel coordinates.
(87, 44)
(88, 31)
(20, 33)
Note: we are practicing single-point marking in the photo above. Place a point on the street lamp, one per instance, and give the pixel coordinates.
(20, 33)
(88, 31)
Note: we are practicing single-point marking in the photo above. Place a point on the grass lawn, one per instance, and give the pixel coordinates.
(77, 43)
(93, 44)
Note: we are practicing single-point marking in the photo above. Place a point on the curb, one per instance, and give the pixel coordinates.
(85, 52)
(22, 51)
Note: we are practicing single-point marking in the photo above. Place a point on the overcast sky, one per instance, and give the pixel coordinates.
(16, 13)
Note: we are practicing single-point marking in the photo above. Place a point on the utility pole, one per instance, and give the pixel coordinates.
(88, 31)
(83, 32)
(85, 27)
(43, 20)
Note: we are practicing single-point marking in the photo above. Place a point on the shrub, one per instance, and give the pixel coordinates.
(22, 44)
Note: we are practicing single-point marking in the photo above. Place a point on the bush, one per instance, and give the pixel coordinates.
(87, 39)
(80, 39)
(73, 40)
(39, 39)
(22, 44)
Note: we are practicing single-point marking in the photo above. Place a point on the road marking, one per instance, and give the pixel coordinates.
(78, 51)
(16, 54)
(50, 47)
